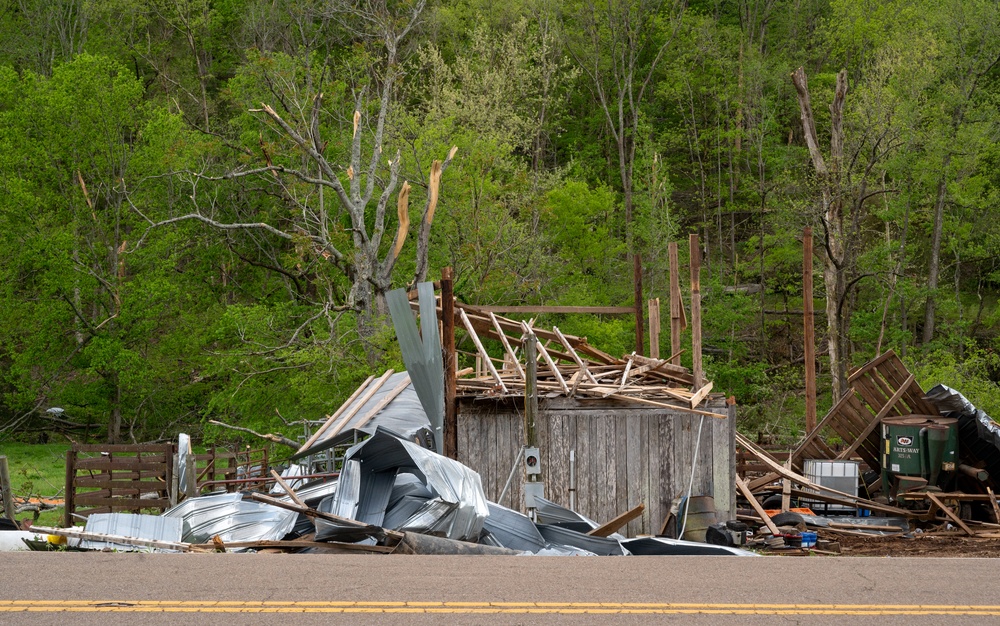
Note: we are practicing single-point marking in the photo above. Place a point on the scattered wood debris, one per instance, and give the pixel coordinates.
(569, 366)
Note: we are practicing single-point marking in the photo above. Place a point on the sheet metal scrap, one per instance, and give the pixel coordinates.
(456, 509)
(151, 527)
(232, 518)
(390, 401)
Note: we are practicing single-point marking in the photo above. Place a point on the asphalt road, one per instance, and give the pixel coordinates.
(171, 589)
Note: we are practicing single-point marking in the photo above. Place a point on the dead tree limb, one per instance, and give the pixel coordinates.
(285, 441)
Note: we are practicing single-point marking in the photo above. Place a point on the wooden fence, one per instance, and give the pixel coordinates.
(103, 478)
(117, 478)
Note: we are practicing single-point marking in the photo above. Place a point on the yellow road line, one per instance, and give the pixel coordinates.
(225, 606)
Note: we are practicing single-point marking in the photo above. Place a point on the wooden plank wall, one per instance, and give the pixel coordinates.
(625, 455)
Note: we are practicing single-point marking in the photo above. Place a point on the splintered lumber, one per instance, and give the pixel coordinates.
(778, 469)
(664, 405)
(369, 392)
(330, 420)
(606, 529)
(993, 501)
(288, 489)
(664, 368)
(700, 394)
(529, 332)
(628, 366)
(947, 511)
(506, 346)
(576, 357)
(384, 402)
(76, 533)
(742, 486)
(482, 350)
(483, 324)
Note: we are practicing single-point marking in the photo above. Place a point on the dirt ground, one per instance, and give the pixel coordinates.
(930, 546)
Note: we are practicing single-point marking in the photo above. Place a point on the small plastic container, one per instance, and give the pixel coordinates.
(808, 540)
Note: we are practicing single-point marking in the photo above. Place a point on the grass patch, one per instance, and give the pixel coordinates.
(38, 470)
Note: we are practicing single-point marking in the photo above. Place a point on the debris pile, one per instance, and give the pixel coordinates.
(392, 496)
(571, 367)
(914, 466)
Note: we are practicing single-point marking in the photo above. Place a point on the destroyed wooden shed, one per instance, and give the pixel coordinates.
(603, 457)
(611, 433)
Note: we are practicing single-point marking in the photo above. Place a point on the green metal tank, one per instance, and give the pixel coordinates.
(920, 446)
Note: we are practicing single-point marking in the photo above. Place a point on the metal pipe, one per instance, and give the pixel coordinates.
(513, 468)
(974, 472)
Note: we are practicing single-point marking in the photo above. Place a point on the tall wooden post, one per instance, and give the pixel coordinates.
(69, 497)
(654, 328)
(677, 320)
(637, 275)
(808, 329)
(530, 389)
(696, 366)
(448, 346)
(6, 493)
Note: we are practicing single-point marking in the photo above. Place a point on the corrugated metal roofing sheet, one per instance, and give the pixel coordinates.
(154, 527)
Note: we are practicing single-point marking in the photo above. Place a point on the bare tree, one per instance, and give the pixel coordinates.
(363, 190)
(844, 182)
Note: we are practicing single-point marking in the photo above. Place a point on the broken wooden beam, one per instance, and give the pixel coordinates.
(609, 527)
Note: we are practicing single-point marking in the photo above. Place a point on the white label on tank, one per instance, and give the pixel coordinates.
(895, 467)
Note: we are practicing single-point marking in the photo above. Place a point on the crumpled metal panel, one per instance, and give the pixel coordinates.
(548, 512)
(403, 415)
(978, 433)
(152, 527)
(421, 351)
(554, 549)
(312, 493)
(513, 529)
(289, 474)
(663, 546)
(602, 546)
(402, 510)
(369, 476)
(183, 451)
(430, 519)
(232, 518)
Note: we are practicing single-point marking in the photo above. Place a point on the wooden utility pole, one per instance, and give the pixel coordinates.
(699, 374)
(530, 389)
(637, 276)
(808, 328)
(448, 346)
(677, 320)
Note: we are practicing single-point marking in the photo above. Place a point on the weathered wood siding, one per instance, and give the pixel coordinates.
(625, 455)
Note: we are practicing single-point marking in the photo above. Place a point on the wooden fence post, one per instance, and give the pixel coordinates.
(5, 491)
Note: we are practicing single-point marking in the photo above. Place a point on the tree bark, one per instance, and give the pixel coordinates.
(834, 265)
(934, 268)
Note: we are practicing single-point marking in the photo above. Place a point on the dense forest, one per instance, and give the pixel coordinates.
(204, 201)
